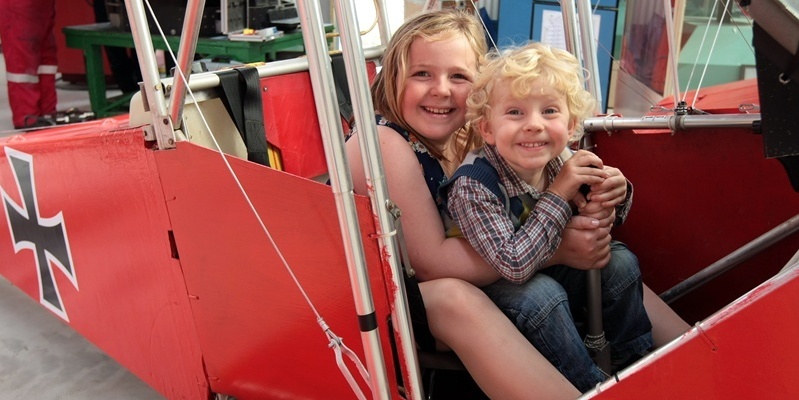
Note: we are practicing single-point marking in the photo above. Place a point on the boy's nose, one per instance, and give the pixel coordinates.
(534, 122)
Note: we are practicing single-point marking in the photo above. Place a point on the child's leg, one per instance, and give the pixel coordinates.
(540, 310)
(497, 356)
(666, 324)
(627, 326)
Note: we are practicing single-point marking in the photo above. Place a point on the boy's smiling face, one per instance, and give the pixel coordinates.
(528, 132)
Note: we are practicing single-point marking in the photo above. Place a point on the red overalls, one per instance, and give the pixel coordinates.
(26, 31)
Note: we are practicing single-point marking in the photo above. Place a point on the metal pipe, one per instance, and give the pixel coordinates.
(732, 260)
(668, 15)
(152, 88)
(672, 122)
(364, 115)
(320, 70)
(588, 42)
(185, 59)
(382, 15)
(571, 28)
(209, 80)
(580, 42)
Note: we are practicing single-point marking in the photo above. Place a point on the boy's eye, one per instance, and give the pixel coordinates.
(550, 111)
(514, 111)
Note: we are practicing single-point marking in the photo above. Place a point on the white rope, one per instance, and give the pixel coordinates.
(340, 349)
(485, 28)
(336, 342)
(701, 46)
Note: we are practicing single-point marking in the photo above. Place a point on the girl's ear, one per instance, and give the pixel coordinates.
(485, 131)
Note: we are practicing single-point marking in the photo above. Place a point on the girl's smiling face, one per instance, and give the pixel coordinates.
(528, 132)
(436, 85)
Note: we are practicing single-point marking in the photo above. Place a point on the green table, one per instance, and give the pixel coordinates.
(91, 39)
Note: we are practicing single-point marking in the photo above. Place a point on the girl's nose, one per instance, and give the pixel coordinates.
(441, 87)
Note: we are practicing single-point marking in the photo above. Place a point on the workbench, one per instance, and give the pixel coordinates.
(91, 39)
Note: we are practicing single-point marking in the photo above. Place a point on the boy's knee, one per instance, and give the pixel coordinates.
(540, 302)
(622, 272)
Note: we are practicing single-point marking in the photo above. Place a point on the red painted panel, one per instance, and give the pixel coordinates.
(747, 351)
(259, 337)
(130, 299)
(291, 122)
(699, 195)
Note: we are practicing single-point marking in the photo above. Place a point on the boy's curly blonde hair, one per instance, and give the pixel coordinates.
(524, 66)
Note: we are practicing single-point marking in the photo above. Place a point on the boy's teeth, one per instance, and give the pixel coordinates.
(538, 144)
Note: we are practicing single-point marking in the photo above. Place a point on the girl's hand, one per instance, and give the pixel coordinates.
(585, 243)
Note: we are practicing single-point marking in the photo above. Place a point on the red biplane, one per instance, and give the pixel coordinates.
(205, 274)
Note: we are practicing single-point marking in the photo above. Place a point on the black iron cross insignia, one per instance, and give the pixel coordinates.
(45, 237)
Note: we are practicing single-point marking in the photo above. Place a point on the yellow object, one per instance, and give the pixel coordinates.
(248, 31)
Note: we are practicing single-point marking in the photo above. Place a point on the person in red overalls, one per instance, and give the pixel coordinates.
(26, 29)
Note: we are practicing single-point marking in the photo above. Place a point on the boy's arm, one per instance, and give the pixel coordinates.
(483, 220)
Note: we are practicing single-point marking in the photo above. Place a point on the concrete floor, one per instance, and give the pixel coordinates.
(40, 356)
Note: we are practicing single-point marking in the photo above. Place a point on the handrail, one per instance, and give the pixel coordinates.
(733, 259)
(378, 190)
(321, 73)
(152, 89)
(672, 122)
(208, 80)
(580, 41)
(185, 58)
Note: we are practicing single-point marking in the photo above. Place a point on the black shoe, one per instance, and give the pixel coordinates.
(35, 121)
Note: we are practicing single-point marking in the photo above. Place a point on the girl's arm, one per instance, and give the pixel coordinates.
(432, 254)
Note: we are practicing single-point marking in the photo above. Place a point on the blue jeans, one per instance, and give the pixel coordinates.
(542, 309)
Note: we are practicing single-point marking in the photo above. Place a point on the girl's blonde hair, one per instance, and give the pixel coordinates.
(388, 87)
(523, 67)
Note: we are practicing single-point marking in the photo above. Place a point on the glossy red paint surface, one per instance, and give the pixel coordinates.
(130, 299)
(699, 195)
(746, 351)
(258, 336)
(291, 122)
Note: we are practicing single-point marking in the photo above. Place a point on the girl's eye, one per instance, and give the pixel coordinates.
(462, 77)
(420, 73)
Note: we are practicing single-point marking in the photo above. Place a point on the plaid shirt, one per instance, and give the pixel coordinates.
(484, 220)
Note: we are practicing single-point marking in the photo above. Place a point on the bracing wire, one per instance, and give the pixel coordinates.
(710, 54)
(335, 342)
(728, 12)
(740, 32)
(701, 47)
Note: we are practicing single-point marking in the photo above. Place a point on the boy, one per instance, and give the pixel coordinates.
(511, 200)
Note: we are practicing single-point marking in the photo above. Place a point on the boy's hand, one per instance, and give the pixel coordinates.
(583, 167)
(608, 193)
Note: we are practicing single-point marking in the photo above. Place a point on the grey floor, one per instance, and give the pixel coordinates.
(42, 358)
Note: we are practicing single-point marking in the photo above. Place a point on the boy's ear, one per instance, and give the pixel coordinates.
(572, 127)
(485, 131)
